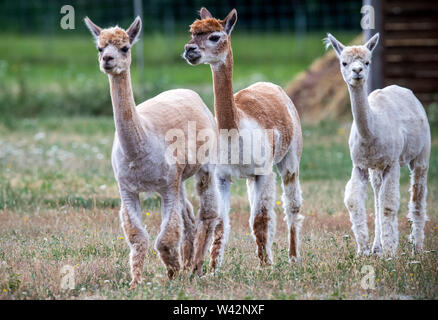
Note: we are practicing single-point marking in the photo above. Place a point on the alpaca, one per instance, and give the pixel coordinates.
(139, 161)
(261, 106)
(390, 129)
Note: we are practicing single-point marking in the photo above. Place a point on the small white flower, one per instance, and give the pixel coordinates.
(39, 136)
(149, 283)
(82, 289)
(106, 281)
(102, 187)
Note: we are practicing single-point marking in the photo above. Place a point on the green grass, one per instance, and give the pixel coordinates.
(60, 75)
(59, 205)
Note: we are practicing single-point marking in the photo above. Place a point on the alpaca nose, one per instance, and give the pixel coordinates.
(191, 52)
(357, 69)
(107, 58)
(190, 47)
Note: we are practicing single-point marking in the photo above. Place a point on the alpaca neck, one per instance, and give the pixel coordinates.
(129, 131)
(224, 105)
(362, 114)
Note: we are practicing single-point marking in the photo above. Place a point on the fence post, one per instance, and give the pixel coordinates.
(375, 80)
(138, 11)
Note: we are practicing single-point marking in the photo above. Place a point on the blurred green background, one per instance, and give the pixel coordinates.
(45, 70)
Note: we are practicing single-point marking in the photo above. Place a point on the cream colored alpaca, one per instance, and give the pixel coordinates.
(139, 161)
(259, 107)
(390, 130)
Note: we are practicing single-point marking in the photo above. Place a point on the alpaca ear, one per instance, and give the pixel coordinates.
(204, 13)
(372, 43)
(94, 29)
(134, 31)
(332, 41)
(230, 21)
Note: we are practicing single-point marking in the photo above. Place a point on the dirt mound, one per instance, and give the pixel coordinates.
(320, 91)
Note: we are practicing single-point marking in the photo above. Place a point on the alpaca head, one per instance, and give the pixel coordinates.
(114, 45)
(210, 39)
(354, 60)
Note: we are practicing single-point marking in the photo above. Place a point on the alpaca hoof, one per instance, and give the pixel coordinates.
(377, 250)
(187, 267)
(388, 252)
(295, 260)
(133, 284)
(171, 273)
(417, 245)
(265, 264)
(418, 248)
(363, 253)
(213, 266)
(198, 271)
(213, 270)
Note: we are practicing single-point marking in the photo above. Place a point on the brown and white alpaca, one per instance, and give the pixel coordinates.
(390, 130)
(262, 106)
(139, 156)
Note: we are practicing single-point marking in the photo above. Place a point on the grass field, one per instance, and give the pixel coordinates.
(59, 206)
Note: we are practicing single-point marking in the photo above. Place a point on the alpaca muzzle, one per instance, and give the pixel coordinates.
(192, 55)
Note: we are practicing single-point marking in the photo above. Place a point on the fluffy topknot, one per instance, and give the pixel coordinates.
(115, 36)
(358, 51)
(206, 26)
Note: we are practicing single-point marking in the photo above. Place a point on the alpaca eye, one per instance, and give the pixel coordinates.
(344, 64)
(99, 49)
(214, 38)
(125, 49)
(367, 63)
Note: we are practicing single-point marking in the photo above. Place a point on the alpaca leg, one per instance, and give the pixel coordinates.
(292, 203)
(262, 220)
(417, 206)
(169, 241)
(189, 229)
(208, 214)
(376, 182)
(222, 230)
(250, 182)
(355, 197)
(135, 235)
(389, 203)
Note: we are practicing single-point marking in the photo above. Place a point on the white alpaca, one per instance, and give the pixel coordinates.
(262, 106)
(139, 156)
(390, 130)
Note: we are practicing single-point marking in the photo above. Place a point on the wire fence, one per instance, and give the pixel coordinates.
(171, 16)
